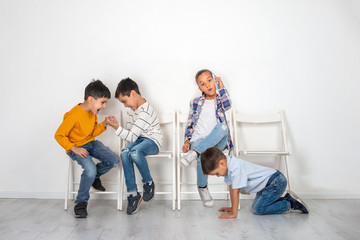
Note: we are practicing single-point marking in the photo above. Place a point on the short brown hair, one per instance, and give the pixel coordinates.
(210, 159)
(125, 86)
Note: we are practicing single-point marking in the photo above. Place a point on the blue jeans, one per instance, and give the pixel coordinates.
(269, 200)
(108, 159)
(135, 153)
(216, 138)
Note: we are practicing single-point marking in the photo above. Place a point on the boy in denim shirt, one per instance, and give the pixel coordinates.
(144, 137)
(268, 184)
(206, 127)
(76, 135)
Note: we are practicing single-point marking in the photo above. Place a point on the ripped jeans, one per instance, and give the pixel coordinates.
(135, 153)
(108, 159)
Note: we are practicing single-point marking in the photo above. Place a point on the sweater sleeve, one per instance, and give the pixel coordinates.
(98, 128)
(141, 124)
(62, 133)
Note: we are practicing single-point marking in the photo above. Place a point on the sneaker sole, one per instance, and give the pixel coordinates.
(212, 204)
(137, 207)
(184, 163)
(98, 189)
(292, 194)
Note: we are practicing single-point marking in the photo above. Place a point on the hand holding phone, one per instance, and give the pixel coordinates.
(216, 83)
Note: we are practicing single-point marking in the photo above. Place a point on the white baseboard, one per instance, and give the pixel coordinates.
(58, 195)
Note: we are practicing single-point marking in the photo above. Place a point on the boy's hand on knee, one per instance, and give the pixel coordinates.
(225, 209)
(227, 215)
(82, 152)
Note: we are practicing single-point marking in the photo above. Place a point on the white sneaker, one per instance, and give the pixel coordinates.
(187, 159)
(206, 197)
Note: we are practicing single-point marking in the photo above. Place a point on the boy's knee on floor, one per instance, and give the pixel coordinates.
(258, 210)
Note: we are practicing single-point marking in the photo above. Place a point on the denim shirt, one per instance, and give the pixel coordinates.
(223, 103)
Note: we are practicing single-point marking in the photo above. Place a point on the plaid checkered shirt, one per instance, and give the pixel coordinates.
(223, 103)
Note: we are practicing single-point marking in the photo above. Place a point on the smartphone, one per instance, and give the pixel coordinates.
(216, 83)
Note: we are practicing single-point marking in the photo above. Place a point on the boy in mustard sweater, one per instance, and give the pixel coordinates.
(77, 135)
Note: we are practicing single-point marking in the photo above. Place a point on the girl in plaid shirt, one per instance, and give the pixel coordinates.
(206, 127)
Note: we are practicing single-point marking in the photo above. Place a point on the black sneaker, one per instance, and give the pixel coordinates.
(149, 191)
(80, 210)
(296, 203)
(133, 204)
(97, 185)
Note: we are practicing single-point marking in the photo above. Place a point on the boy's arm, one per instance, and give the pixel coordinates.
(234, 196)
(141, 124)
(63, 131)
(99, 128)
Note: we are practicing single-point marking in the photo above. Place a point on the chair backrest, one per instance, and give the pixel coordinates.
(108, 138)
(181, 120)
(168, 127)
(260, 133)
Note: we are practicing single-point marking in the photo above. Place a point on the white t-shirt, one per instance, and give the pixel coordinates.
(249, 177)
(207, 120)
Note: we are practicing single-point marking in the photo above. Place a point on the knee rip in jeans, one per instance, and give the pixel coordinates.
(223, 127)
(133, 153)
(125, 150)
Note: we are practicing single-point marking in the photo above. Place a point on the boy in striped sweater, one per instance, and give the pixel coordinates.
(144, 137)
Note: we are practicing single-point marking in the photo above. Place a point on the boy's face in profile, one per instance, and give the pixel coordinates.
(221, 169)
(97, 104)
(129, 101)
(207, 85)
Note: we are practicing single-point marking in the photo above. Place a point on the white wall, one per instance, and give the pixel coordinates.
(300, 56)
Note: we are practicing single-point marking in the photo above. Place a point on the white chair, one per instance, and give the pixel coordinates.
(262, 137)
(167, 124)
(182, 119)
(74, 170)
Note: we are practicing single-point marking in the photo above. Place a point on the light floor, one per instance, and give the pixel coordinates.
(46, 219)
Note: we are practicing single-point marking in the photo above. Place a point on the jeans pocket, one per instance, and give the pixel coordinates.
(276, 186)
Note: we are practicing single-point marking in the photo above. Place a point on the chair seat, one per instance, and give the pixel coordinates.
(162, 154)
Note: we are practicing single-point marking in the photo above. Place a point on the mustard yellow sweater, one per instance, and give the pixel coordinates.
(78, 128)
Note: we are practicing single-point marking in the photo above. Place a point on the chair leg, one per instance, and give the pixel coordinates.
(174, 184)
(122, 189)
(119, 188)
(178, 175)
(67, 184)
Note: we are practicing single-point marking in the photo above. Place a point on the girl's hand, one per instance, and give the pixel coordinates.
(186, 146)
(219, 81)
